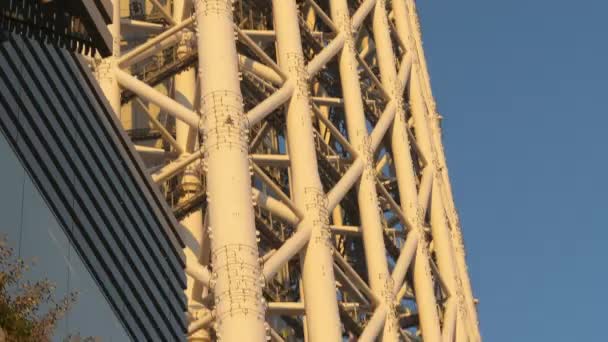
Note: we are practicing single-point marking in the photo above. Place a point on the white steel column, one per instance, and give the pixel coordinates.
(105, 70)
(193, 239)
(457, 239)
(423, 283)
(451, 264)
(184, 87)
(441, 234)
(322, 317)
(184, 82)
(237, 280)
(379, 277)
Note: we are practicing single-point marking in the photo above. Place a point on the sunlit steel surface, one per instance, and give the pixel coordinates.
(300, 146)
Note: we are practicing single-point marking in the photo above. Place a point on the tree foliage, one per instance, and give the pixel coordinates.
(28, 309)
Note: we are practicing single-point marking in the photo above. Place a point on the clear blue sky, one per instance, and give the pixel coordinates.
(522, 87)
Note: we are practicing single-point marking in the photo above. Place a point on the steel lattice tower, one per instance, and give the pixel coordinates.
(299, 144)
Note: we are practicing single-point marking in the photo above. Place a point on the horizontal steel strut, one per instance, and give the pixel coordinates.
(292, 128)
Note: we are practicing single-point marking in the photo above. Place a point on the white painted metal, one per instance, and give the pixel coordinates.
(107, 79)
(291, 197)
(423, 284)
(463, 283)
(186, 136)
(237, 278)
(379, 277)
(322, 318)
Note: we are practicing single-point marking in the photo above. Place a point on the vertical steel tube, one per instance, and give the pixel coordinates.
(193, 252)
(322, 317)
(449, 321)
(237, 280)
(457, 239)
(372, 229)
(406, 179)
(444, 252)
(184, 94)
(184, 82)
(116, 39)
(107, 80)
(442, 239)
(184, 87)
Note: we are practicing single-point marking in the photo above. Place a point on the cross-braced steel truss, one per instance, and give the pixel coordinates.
(299, 145)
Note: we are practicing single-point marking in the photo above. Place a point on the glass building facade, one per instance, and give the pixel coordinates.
(76, 197)
(33, 232)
